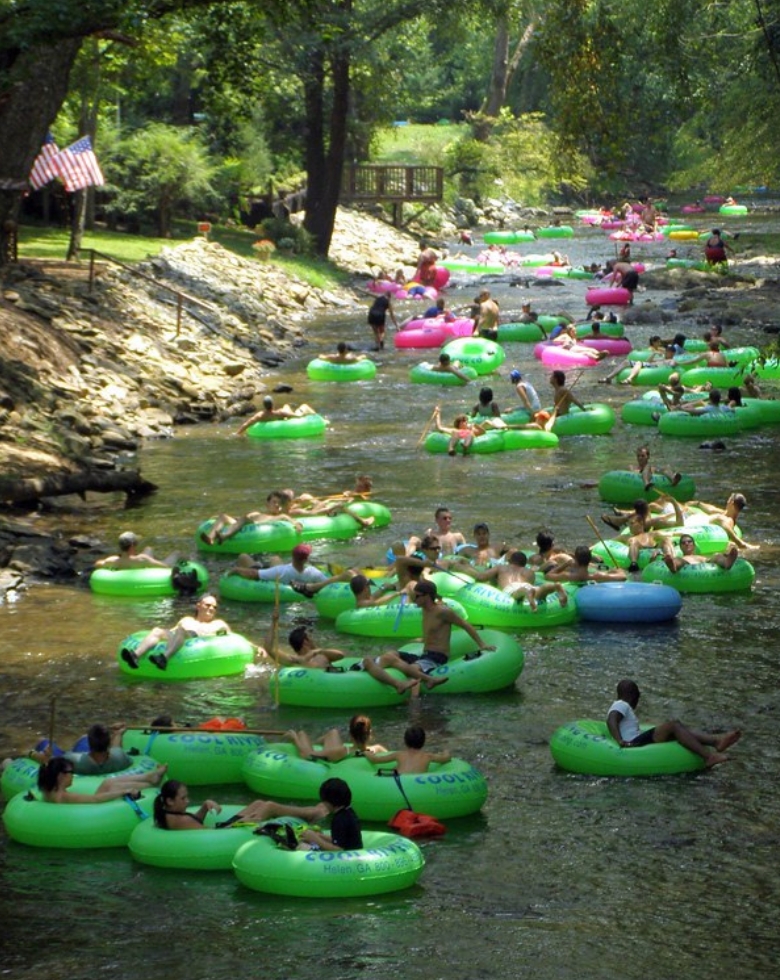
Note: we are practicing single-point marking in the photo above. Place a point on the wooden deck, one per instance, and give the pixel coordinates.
(394, 185)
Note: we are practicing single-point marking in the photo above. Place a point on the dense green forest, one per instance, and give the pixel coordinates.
(193, 106)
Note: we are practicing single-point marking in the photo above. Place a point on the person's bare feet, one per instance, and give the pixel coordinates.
(403, 686)
(206, 538)
(156, 776)
(367, 521)
(727, 740)
(715, 759)
(532, 603)
(563, 597)
(431, 682)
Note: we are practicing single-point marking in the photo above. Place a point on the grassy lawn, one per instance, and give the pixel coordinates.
(416, 143)
(37, 241)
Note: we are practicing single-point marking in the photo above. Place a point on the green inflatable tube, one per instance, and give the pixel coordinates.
(212, 849)
(640, 411)
(396, 619)
(606, 329)
(650, 377)
(520, 333)
(719, 377)
(360, 370)
(472, 672)
(767, 409)
(425, 373)
(473, 268)
(485, 356)
(340, 687)
(447, 790)
(490, 442)
(623, 487)
(75, 826)
(387, 863)
(768, 370)
(489, 671)
(711, 425)
(196, 758)
(303, 427)
(271, 536)
(507, 237)
(486, 605)
(529, 439)
(555, 231)
(251, 539)
(21, 775)
(597, 419)
(586, 747)
(142, 582)
(198, 657)
(703, 577)
(240, 589)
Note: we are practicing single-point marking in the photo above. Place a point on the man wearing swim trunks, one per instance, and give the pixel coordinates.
(438, 621)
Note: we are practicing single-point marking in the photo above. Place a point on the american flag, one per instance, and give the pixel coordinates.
(78, 166)
(44, 169)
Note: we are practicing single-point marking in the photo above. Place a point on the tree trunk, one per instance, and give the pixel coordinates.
(324, 163)
(501, 76)
(77, 218)
(34, 84)
(30, 489)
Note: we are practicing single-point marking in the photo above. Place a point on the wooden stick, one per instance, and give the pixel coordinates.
(427, 426)
(275, 641)
(213, 731)
(598, 535)
(52, 716)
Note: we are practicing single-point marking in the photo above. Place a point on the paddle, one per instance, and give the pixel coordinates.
(52, 716)
(274, 644)
(211, 731)
(399, 614)
(427, 426)
(604, 543)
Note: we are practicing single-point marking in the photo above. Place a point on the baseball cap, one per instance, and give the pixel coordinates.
(482, 526)
(301, 551)
(515, 376)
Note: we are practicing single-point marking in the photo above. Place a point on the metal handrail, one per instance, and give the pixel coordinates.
(180, 296)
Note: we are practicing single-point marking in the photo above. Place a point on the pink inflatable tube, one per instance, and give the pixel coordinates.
(559, 357)
(460, 327)
(379, 286)
(693, 209)
(422, 337)
(614, 346)
(613, 224)
(611, 296)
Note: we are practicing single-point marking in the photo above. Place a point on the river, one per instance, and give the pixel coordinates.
(560, 876)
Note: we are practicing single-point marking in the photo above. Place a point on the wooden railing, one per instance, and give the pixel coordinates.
(367, 183)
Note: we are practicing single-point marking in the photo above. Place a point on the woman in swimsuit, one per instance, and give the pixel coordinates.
(170, 810)
(333, 747)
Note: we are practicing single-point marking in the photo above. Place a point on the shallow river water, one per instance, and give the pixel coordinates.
(560, 876)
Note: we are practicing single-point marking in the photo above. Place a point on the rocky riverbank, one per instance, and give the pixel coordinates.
(88, 372)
